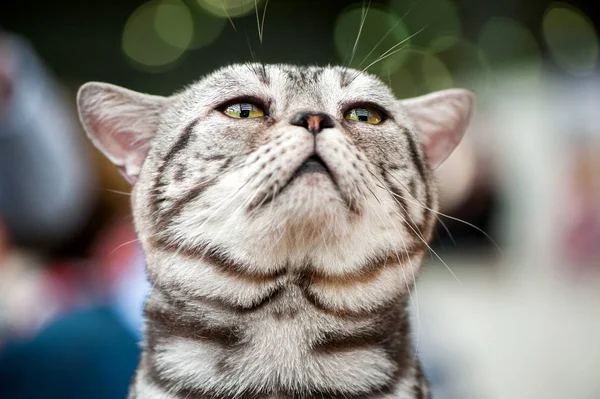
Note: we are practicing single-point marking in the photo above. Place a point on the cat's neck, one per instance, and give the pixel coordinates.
(283, 347)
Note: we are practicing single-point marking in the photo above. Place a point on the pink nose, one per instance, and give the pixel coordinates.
(314, 122)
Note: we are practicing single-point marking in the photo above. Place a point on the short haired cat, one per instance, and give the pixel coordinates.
(284, 212)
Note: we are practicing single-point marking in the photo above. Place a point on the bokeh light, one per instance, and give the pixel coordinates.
(405, 84)
(436, 75)
(465, 59)
(505, 42)
(383, 35)
(173, 23)
(423, 72)
(157, 34)
(437, 22)
(571, 39)
(229, 8)
(207, 28)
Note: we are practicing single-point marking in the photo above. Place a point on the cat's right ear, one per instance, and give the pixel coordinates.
(121, 123)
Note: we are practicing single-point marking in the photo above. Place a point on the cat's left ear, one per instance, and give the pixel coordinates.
(442, 119)
(121, 123)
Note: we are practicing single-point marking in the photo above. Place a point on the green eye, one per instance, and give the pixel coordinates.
(244, 110)
(368, 115)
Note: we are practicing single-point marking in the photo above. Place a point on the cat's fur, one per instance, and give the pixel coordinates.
(265, 285)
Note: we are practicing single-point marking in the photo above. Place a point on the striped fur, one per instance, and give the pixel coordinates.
(264, 284)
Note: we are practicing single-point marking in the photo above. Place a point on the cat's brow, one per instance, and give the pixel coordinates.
(240, 93)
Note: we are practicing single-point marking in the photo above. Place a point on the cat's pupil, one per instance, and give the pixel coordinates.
(245, 110)
(363, 115)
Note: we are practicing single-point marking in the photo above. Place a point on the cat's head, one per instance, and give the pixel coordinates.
(272, 164)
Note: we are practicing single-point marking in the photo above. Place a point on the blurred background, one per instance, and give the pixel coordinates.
(508, 304)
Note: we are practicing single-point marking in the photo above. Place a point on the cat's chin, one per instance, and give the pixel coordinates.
(309, 208)
(310, 194)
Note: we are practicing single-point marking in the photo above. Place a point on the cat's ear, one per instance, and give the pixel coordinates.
(121, 123)
(442, 119)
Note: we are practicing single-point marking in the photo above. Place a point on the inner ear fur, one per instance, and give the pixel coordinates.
(442, 119)
(121, 123)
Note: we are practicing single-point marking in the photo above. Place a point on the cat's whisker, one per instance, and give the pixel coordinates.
(382, 185)
(429, 247)
(128, 194)
(414, 300)
(444, 226)
(228, 17)
(260, 24)
(365, 12)
(415, 229)
(387, 52)
(257, 20)
(446, 216)
(392, 50)
(252, 53)
(422, 205)
(110, 190)
(139, 239)
(379, 43)
(124, 244)
(382, 57)
(388, 33)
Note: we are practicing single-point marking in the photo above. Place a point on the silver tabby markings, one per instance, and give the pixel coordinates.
(282, 242)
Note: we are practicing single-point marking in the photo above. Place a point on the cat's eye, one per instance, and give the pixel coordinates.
(368, 115)
(244, 110)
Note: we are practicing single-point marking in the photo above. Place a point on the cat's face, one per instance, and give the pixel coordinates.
(272, 165)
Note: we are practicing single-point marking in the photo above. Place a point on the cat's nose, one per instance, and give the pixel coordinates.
(314, 122)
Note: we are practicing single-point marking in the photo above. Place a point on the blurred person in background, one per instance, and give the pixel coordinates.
(67, 326)
(46, 183)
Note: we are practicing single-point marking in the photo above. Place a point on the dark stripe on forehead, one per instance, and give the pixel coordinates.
(261, 73)
(301, 76)
(317, 72)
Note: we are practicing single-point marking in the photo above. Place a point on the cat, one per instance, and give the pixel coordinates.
(284, 212)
